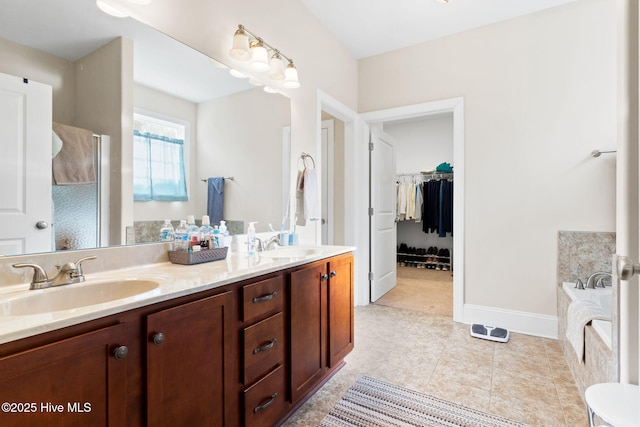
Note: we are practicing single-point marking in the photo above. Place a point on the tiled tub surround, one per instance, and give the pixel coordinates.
(599, 363)
(582, 253)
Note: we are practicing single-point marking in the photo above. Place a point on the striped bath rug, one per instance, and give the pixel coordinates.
(374, 403)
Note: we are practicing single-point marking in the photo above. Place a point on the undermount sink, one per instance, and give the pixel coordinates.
(75, 296)
(291, 252)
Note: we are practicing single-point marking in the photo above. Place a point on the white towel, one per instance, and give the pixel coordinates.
(311, 195)
(579, 314)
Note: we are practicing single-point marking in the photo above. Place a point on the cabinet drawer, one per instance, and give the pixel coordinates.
(264, 402)
(263, 346)
(262, 297)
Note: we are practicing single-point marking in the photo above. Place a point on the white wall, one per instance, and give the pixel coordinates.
(539, 94)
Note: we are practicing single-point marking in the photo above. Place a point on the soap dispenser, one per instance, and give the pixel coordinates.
(251, 238)
(223, 228)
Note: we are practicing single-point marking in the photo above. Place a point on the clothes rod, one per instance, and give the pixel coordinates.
(230, 178)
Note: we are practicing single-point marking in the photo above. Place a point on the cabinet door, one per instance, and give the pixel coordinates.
(340, 308)
(186, 353)
(308, 328)
(74, 382)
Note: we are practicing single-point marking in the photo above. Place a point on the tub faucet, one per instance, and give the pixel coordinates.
(592, 283)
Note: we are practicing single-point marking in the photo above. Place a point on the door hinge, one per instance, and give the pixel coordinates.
(371, 275)
(370, 211)
(371, 146)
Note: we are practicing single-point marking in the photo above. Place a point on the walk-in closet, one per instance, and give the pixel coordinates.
(424, 180)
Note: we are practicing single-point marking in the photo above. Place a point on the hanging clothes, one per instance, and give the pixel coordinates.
(437, 211)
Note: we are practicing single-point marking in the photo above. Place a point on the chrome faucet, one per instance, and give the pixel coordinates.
(272, 243)
(601, 282)
(68, 273)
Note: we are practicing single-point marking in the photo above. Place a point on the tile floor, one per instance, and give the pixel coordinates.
(526, 379)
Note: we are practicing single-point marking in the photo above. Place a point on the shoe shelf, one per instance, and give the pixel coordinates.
(421, 259)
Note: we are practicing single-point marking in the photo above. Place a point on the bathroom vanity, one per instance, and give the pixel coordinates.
(242, 341)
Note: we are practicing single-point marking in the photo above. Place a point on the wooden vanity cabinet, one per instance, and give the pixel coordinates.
(188, 355)
(244, 354)
(321, 321)
(78, 381)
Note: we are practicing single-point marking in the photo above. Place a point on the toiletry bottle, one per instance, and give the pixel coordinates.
(223, 228)
(217, 237)
(206, 233)
(166, 232)
(181, 237)
(194, 232)
(251, 238)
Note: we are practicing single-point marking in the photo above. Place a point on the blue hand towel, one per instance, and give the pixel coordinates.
(215, 199)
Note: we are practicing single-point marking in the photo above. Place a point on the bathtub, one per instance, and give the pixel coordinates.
(600, 296)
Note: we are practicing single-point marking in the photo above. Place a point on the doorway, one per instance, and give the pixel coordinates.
(455, 107)
(424, 279)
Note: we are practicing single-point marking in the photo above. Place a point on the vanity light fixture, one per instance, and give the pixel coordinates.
(264, 58)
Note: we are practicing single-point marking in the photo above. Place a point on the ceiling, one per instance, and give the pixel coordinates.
(372, 27)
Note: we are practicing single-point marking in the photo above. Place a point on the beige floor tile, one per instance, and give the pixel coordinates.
(526, 379)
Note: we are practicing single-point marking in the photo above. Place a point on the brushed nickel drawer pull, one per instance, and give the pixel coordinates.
(265, 297)
(265, 347)
(266, 404)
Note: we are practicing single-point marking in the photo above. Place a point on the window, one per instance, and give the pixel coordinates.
(158, 160)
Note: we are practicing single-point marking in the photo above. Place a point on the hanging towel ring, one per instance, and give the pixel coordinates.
(304, 157)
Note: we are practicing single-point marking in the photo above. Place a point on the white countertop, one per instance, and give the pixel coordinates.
(174, 281)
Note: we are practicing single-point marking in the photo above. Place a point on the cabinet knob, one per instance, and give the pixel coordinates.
(324, 277)
(333, 273)
(158, 338)
(120, 352)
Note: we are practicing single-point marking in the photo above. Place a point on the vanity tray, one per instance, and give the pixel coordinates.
(190, 258)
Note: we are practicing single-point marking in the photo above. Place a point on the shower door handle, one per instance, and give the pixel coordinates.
(42, 225)
(627, 268)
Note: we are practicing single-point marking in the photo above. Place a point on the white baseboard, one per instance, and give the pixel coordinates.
(516, 321)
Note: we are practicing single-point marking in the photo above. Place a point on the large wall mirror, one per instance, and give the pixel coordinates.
(101, 71)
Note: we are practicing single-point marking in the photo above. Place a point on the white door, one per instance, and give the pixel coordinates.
(327, 182)
(25, 166)
(382, 211)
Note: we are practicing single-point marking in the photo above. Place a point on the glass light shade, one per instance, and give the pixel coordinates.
(291, 77)
(255, 82)
(141, 2)
(270, 89)
(240, 48)
(259, 57)
(110, 10)
(276, 70)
